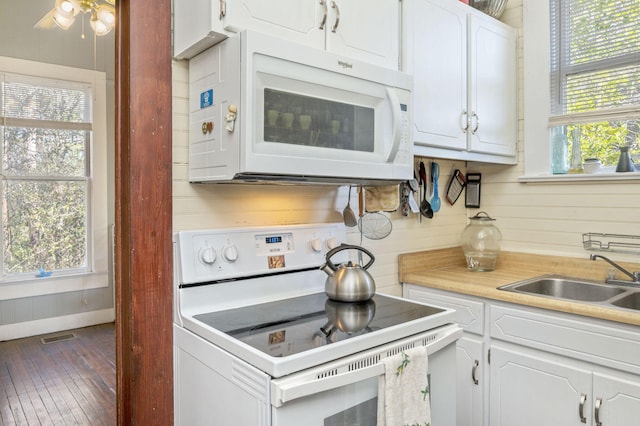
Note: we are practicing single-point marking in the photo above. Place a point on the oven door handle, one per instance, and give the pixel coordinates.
(289, 389)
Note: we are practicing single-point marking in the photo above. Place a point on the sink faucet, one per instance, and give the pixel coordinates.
(635, 276)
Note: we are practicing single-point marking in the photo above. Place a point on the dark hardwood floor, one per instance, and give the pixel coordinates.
(65, 382)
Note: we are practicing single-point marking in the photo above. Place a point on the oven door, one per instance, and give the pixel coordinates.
(350, 404)
(345, 392)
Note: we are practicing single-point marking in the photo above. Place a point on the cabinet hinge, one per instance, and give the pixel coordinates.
(489, 356)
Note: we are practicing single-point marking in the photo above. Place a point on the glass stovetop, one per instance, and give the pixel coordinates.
(295, 325)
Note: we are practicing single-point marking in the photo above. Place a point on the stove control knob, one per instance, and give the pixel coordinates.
(332, 243)
(316, 245)
(230, 253)
(208, 255)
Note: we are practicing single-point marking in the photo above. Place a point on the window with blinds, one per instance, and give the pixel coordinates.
(595, 77)
(45, 136)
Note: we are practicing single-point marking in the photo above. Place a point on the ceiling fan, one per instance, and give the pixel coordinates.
(102, 15)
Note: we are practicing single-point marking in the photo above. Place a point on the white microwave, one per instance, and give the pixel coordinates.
(266, 109)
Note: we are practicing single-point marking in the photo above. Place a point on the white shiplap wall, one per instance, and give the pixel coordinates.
(532, 217)
(209, 205)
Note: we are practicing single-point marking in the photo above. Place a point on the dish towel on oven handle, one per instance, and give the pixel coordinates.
(403, 391)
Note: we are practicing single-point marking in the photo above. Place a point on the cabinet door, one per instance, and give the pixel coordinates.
(436, 43)
(616, 400)
(530, 388)
(367, 30)
(493, 87)
(296, 20)
(470, 381)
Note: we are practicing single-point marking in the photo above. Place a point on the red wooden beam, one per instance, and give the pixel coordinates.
(143, 257)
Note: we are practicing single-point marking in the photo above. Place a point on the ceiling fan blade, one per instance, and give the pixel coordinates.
(46, 22)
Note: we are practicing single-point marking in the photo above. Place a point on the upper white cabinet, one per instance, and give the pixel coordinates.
(366, 30)
(465, 82)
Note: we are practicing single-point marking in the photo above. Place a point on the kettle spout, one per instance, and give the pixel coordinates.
(327, 267)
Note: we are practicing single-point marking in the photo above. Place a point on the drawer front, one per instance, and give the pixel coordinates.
(616, 346)
(469, 313)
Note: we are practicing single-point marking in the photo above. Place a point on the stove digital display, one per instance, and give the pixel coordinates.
(273, 239)
(272, 244)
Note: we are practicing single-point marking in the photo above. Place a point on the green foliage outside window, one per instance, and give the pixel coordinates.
(595, 68)
(602, 141)
(45, 175)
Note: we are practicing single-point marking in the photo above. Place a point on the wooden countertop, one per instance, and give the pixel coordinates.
(445, 269)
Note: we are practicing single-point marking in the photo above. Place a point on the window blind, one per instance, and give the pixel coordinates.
(44, 103)
(595, 61)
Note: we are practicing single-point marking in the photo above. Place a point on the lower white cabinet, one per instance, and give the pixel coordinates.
(533, 367)
(470, 351)
(616, 400)
(470, 381)
(532, 388)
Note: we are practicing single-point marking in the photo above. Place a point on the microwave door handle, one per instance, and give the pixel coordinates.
(396, 125)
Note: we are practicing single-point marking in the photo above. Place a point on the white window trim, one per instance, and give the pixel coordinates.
(535, 34)
(99, 242)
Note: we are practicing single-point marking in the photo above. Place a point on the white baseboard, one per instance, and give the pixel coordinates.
(51, 325)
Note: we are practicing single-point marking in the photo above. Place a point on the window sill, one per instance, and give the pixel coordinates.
(603, 176)
(53, 284)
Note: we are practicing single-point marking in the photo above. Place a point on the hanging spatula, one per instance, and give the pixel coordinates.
(435, 174)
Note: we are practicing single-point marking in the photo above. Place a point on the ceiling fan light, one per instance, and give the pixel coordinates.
(62, 20)
(99, 27)
(65, 8)
(106, 14)
(102, 20)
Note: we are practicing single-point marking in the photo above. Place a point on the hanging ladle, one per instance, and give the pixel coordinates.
(425, 207)
(348, 215)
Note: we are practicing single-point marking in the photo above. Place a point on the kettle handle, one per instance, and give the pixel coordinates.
(341, 247)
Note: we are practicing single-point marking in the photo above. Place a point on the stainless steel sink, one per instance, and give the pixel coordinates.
(560, 287)
(630, 301)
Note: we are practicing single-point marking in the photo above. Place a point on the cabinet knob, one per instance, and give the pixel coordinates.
(596, 411)
(337, 21)
(476, 364)
(324, 17)
(464, 121)
(477, 121)
(583, 400)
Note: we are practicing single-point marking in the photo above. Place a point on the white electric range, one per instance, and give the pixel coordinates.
(257, 341)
